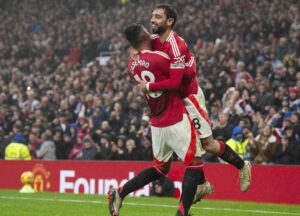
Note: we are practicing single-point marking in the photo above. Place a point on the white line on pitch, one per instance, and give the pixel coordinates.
(152, 205)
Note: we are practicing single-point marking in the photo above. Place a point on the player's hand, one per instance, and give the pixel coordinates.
(143, 86)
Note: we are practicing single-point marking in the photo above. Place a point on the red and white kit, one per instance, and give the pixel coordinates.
(168, 116)
(183, 76)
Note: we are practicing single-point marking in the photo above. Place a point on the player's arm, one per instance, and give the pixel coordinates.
(174, 81)
(176, 72)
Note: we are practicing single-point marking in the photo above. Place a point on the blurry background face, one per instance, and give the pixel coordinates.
(294, 119)
(120, 143)
(245, 95)
(57, 135)
(261, 88)
(62, 119)
(267, 131)
(79, 140)
(103, 141)
(223, 118)
(289, 132)
(87, 144)
(253, 99)
(130, 145)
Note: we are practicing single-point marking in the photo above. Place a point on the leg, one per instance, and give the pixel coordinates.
(116, 196)
(193, 176)
(228, 155)
(142, 179)
(190, 148)
(195, 105)
(223, 151)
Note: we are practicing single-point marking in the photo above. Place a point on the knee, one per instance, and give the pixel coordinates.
(197, 163)
(205, 146)
(206, 143)
(164, 169)
(209, 144)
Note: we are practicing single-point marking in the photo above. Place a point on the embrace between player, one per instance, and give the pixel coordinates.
(163, 75)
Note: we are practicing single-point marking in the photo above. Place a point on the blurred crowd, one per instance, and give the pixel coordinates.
(63, 104)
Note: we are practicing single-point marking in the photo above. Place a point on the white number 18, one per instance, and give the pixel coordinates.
(148, 76)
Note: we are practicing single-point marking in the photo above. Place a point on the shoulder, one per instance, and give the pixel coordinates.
(157, 54)
(174, 36)
(131, 66)
(177, 44)
(130, 63)
(48, 143)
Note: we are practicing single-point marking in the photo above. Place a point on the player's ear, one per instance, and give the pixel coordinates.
(170, 22)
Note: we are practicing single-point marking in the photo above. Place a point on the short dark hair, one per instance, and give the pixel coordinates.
(169, 11)
(134, 33)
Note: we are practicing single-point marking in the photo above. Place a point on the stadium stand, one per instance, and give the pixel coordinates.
(53, 85)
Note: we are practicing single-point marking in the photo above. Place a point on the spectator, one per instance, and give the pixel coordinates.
(17, 149)
(238, 142)
(47, 148)
(262, 147)
(163, 187)
(294, 99)
(47, 70)
(221, 127)
(83, 126)
(62, 149)
(89, 151)
(76, 150)
(293, 149)
(31, 103)
(294, 119)
(131, 151)
(264, 98)
(34, 141)
(242, 106)
(105, 147)
(146, 150)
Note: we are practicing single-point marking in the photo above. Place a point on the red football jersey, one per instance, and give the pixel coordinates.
(182, 65)
(166, 108)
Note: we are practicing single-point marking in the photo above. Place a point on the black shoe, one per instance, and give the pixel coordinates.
(179, 213)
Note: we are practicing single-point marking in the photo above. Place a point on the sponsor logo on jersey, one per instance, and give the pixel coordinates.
(179, 59)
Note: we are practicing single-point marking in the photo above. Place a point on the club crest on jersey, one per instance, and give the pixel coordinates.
(179, 59)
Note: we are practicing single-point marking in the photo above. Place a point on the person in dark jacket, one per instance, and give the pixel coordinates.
(288, 151)
(89, 150)
(162, 187)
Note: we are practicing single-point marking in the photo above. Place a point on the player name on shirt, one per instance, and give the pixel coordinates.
(140, 63)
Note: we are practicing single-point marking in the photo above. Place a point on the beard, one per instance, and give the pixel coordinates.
(159, 30)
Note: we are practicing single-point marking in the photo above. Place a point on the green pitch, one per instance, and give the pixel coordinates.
(12, 203)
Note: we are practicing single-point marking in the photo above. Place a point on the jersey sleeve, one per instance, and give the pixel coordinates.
(177, 69)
